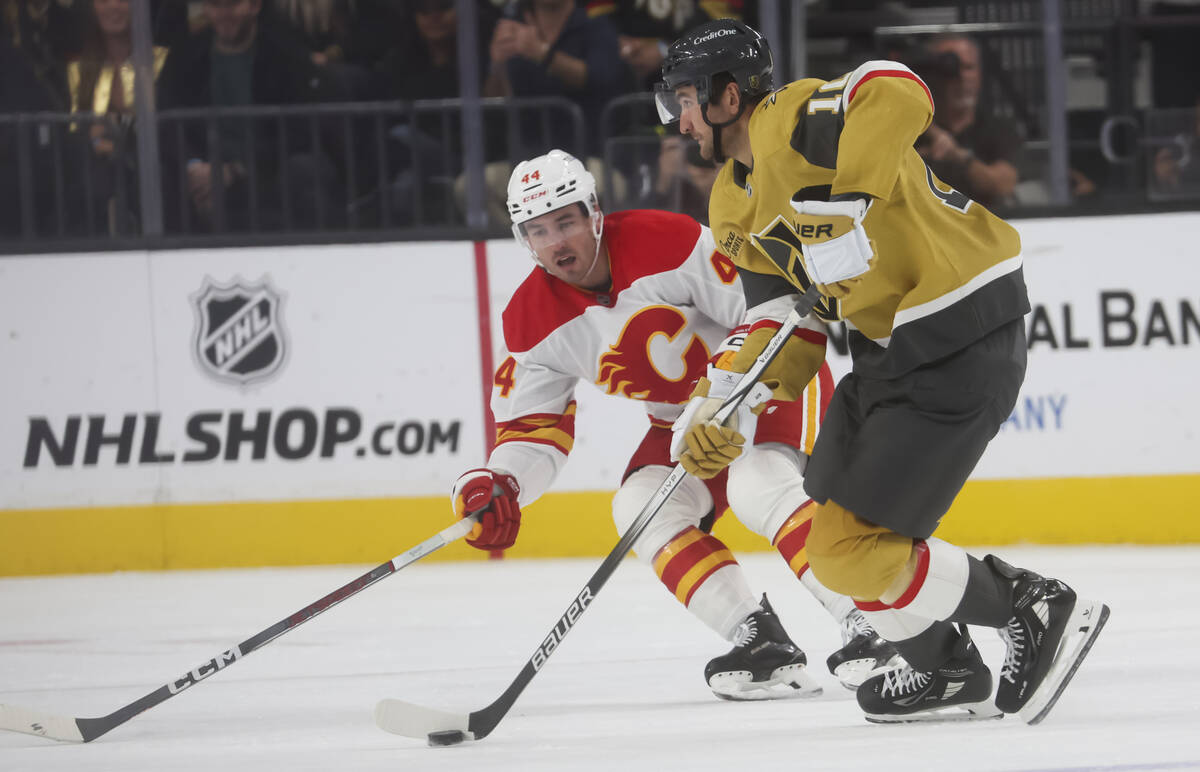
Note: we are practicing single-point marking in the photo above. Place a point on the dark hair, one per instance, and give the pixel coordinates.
(723, 79)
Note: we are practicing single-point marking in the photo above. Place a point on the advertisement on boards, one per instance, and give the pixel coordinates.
(342, 372)
(233, 374)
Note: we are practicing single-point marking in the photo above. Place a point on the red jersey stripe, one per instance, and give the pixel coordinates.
(922, 570)
(888, 74)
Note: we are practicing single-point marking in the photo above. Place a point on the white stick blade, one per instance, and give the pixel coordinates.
(404, 718)
(62, 728)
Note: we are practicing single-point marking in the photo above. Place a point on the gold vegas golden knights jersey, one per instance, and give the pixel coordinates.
(946, 270)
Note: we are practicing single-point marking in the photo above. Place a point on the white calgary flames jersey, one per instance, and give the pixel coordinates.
(674, 298)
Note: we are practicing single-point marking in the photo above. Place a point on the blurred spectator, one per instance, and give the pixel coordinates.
(1176, 168)
(244, 60)
(551, 48)
(21, 91)
(363, 31)
(684, 180)
(347, 37)
(169, 22)
(646, 29)
(101, 81)
(425, 66)
(47, 32)
(1174, 53)
(965, 146)
(323, 25)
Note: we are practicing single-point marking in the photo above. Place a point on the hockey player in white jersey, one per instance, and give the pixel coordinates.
(606, 286)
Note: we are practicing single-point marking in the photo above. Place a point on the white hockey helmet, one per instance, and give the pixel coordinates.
(547, 183)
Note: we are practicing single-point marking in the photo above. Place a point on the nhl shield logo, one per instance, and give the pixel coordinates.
(239, 335)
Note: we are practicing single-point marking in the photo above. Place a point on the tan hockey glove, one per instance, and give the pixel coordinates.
(788, 375)
(700, 444)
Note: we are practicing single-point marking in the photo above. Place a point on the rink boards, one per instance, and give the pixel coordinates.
(300, 405)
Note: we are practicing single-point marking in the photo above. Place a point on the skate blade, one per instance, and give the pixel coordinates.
(979, 711)
(852, 673)
(787, 682)
(1084, 625)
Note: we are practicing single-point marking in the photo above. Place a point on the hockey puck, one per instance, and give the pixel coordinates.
(446, 737)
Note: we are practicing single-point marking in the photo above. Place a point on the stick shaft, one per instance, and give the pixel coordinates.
(88, 729)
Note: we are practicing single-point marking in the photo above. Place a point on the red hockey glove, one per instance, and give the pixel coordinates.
(495, 493)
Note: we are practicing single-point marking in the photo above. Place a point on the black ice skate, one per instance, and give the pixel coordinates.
(863, 653)
(764, 664)
(959, 690)
(1050, 633)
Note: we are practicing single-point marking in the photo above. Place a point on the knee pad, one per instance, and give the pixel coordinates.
(690, 502)
(852, 556)
(766, 485)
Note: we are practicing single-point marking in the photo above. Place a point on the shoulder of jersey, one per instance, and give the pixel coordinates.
(641, 242)
(881, 68)
(540, 305)
(774, 118)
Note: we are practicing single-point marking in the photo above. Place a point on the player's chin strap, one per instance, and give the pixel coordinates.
(598, 231)
(718, 154)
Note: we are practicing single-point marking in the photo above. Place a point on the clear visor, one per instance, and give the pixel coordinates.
(667, 103)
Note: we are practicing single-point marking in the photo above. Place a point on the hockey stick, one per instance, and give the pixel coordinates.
(445, 728)
(85, 730)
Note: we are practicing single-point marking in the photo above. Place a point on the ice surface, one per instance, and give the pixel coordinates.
(625, 691)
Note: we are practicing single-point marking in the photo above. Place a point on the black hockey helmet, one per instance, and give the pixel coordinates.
(717, 46)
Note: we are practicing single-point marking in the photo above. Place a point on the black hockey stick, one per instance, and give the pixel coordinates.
(440, 727)
(85, 730)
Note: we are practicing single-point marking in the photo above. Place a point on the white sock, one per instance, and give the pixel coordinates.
(723, 601)
(838, 606)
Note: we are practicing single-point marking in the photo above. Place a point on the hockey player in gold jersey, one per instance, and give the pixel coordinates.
(821, 185)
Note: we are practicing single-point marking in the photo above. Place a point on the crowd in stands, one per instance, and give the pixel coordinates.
(267, 172)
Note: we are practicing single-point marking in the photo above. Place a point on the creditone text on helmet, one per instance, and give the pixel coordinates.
(717, 33)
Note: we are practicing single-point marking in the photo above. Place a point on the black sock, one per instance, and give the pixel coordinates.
(987, 599)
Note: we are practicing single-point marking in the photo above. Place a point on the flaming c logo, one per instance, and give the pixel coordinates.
(626, 368)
